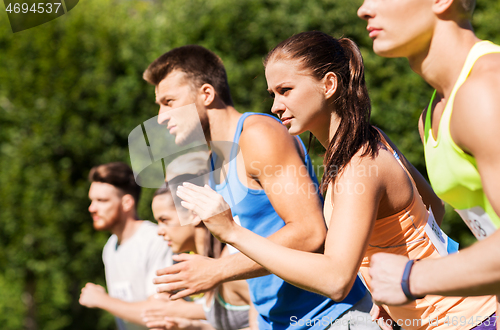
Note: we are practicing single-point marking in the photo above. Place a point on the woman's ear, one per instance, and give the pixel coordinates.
(330, 84)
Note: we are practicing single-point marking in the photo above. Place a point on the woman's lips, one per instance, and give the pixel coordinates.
(286, 120)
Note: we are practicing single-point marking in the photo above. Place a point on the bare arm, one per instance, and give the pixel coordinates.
(472, 272)
(475, 270)
(479, 272)
(253, 315)
(95, 296)
(351, 225)
(125, 310)
(281, 172)
(274, 165)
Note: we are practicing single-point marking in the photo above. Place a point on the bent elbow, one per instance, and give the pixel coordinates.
(338, 295)
(339, 290)
(316, 240)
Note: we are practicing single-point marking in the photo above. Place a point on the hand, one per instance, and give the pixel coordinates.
(92, 295)
(157, 318)
(386, 271)
(177, 323)
(379, 314)
(154, 318)
(163, 297)
(193, 274)
(210, 207)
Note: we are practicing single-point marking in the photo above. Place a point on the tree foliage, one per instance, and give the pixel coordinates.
(71, 91)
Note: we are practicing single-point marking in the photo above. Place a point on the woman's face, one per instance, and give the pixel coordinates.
(299, 98)
(180, 238)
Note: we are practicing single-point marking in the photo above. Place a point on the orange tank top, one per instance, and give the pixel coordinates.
(404, 234)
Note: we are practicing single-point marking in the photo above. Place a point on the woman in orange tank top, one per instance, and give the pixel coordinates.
(375, 200)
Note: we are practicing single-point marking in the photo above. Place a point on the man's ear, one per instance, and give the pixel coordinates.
(441, 6)
(207, 92)
(330, 84)
(128, 202)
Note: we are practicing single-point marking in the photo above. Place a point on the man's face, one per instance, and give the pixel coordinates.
(106, 205)
(399, 28)
(173, 93)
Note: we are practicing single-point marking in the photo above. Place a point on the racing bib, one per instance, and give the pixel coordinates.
(122, 291)
(478, 222)
(443, 244)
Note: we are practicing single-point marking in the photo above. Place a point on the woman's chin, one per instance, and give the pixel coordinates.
(294, 130)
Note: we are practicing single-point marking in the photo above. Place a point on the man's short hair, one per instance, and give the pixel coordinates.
(199, 64)
(119, 175)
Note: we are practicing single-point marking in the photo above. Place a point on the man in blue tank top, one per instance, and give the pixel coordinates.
(266, 177)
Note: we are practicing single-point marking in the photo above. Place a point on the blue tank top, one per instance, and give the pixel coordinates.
(280, 304)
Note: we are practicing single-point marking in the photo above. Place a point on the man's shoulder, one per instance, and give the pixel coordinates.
(109, 247)
(261, 122)
(111, 242)
(481, 87)
(486, 71)
(476, 108)
(262, 135)
(486, 64)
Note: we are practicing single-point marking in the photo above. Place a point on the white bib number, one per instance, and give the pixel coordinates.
(478, 222)
(438, 238)
(122, 291)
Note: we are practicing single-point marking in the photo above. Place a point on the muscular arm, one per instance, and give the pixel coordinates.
(472, 272)
(271, 159)
(475, 270)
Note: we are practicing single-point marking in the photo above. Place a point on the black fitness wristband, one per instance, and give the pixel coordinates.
(405, 281)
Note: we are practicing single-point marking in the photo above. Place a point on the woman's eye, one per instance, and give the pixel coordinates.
(271, 95)
(285, 90)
